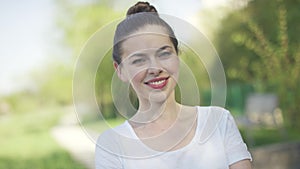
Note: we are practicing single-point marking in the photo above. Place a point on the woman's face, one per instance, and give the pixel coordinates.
(150, 63)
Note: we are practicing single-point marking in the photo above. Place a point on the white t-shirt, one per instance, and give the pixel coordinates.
(216, 144)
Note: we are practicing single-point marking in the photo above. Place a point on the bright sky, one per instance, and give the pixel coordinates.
(24, 26)
(26, 34)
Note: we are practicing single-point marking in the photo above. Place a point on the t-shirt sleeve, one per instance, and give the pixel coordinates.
(104, 158)
(235, 148)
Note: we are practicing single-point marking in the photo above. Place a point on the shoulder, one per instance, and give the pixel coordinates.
(112, 135)
(110, 140)
(213, 112)
(107, 149)
(211, 119)
(214, 109)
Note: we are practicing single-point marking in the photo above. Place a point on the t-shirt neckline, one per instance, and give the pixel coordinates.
(194, 140)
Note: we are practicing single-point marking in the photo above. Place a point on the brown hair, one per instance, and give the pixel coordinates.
(141, 7)
(138, 16)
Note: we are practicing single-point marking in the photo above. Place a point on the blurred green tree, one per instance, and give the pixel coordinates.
(259, 45)
(55, 84)
(51, 86)
(79, 21)
(78, 25)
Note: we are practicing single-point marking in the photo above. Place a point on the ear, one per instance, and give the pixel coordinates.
(120, 73)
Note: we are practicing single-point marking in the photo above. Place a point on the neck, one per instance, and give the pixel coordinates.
(157, 111)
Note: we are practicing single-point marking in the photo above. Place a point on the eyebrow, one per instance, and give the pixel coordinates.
(143, 54)
(163, 48)
(137, 55)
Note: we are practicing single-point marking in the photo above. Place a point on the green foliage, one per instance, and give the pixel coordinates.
(81, 21)
(103, 89)
(55, 84)
(22, 102)
(26, 142)
(199, 73)
(78, 25)
(236, 97)
(258, 46)
(264, 136)
(57, 160)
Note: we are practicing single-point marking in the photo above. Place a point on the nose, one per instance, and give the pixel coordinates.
(154, 68)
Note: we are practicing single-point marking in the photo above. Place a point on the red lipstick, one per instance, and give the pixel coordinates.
(157, 83)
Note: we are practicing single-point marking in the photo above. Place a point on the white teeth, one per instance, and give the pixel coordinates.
(157, 82)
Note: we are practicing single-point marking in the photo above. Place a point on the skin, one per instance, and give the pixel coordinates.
(142, 62)
(243, 164)
(159, 118)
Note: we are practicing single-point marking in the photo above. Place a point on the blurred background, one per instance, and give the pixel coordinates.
(257, 41)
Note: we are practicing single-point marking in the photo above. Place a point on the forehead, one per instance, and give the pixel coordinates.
(148, 37)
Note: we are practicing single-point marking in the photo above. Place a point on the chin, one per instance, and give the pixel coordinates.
(158, 97)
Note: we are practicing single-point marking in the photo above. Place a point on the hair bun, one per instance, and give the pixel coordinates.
(141, 7)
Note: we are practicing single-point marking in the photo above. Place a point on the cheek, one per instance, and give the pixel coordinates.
(138, 77)
(132, 74)
(172, 66)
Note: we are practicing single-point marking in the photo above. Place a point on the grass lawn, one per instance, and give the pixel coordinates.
(26, 142)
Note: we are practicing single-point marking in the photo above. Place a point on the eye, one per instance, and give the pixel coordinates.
(164, 54)
(138, 61)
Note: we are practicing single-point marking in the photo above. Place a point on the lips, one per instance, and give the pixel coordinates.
(157, 83)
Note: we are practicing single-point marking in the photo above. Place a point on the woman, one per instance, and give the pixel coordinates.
(163, 133)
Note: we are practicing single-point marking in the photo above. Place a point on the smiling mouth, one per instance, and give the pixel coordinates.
(157, 83)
